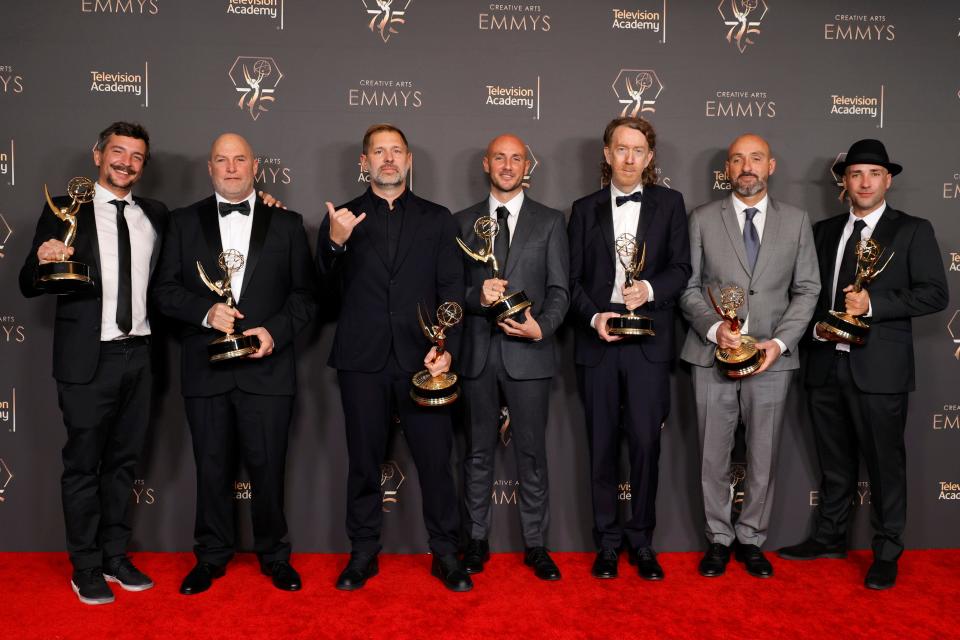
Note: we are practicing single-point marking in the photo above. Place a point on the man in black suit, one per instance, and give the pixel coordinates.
(101, 358)
(400, 250)
(625, 383)
(857, 394)
(240, 406)
(515, 357)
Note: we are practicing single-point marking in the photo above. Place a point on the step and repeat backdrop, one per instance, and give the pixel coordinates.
(301, 80)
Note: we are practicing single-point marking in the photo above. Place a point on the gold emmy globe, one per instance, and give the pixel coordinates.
(509, 304)
(841, 326)
(64, 276)
(747, 358)
(233, 345)
(437, 391)
(632, 259)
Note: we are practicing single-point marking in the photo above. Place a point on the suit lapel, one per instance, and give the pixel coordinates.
(209, 223)
(258, 234)
(604, 213)
(729, 216)
(648, 209)
(768, 244)
(524, 227)
(886, 230)
(87, 232)
(154, 220)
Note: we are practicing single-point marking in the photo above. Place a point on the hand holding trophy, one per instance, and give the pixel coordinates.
(842, 326)
(233, 345)
(440, 390)
(745, 359)
(632, 259)
(67, 276)
(509, 304)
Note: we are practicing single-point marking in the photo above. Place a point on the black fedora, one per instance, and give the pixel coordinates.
(867, 152)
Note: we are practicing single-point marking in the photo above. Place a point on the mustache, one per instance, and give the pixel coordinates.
(117, 166)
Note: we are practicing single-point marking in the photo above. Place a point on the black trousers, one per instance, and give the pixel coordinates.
(225, 429)
(624, 391)
(106, 421)
(368, 403)
(528, 401)
(848, 423)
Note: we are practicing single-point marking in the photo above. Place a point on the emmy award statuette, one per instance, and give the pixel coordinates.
(630, 324)
(233, 345)
(841, 326)
(437, 391)
(67, 276)
(745, 359)
(509, 304)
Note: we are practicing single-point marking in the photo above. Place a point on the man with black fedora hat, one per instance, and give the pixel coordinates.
(857, 393)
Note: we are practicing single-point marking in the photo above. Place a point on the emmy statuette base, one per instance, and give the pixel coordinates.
(509, 306)
(429, 391)
(630, 324)
(64, 277)
(742, 361)
(845, 328)
(232, 346)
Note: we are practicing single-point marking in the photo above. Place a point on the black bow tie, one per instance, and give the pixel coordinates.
(636, 196)
(226, 208)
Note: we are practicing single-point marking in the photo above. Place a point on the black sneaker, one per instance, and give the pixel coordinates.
(122, 571)
(90, 586)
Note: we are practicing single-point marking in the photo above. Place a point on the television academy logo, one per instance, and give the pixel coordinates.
(755, 105)
(514, 96)
(721, 181)
(8, 167)
(861, 28)
(385, 16)
(270, 9)
(10, 81)
(949, 491)
(949, 420)
(8, 411)
(6, 476)
(504, 492)
(122, 82)
(143, 494)
(858, 106)
(391, 479)
(255, 78)
(624, 491)
(637, 90)
(273, 171)
(860, 499)
(744, 18)
(647, 19)
(242, 490)
(11, 331)
(131, 7)
(514, 17)
(385, 94)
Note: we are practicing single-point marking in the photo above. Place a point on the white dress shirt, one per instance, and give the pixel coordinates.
(143, 237)
(235, 234)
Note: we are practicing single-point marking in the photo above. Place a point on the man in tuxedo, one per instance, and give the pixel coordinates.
(513, 358)
(625, 382)
(101, 358)
(857, 394)
(384, 252)
(765, 247)
(238, 408)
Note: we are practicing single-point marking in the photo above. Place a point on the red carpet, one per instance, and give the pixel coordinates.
(819, 599)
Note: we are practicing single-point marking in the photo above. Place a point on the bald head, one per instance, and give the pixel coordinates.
(506, 164)
(232, 167)
(749, 165)
(748, 141)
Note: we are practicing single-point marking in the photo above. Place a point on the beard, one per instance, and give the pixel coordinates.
(747, 190)
(386, 181)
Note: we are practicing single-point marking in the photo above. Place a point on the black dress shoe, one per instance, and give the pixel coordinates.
(122, 571)
(362, 567)
(90, 586)
(647, 566)
(605, 566)
(451, 574)
(881, 575)
(543, 565)
(754, 561)
(200, 578)
(811, 550)
(475, 555)
(284, 576)
(714, 562)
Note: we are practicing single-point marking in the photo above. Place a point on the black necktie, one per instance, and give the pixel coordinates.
(848, 265)
(501, 246)
(124, 299)
(636, 196)
(226, 208)
(751, 238)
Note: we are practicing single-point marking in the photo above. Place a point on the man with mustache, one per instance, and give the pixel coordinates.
(101, 358)
(514, 358)
(765, 247)
(384, 252)
(857, 394)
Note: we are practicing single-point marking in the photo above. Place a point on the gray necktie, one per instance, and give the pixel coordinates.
(751, 239)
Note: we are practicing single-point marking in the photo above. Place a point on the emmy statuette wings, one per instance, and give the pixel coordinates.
(232, 345)
(632, 258)
(64, 276)
(442, 389)
(509, 304)
(747, 358)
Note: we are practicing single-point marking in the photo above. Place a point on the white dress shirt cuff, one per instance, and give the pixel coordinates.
(649, 290)
(712, 333)
(783, 347)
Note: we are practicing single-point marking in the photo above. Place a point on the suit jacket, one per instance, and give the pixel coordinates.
(378, 310)
(663, 227)
(278, 293)
(76, 327)
(538, 263)
(780, 294)
(913, 284)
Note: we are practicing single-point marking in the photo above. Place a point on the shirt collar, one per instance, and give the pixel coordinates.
(513, 205)
(251, 200)
(402, 200)
(871, 218)
(102, 195)
(740, 206)
(615, 193)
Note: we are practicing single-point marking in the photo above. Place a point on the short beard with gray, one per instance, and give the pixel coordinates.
(758, 186)
(401, 178)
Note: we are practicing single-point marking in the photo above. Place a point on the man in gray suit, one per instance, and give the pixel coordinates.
(512, 360)
(766, 248)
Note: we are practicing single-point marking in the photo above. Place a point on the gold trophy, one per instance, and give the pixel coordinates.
(841, 326)
(232, 345)
(67, 276)
(745, 359)
(630, 324)
(437, 391)
(510, 304)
